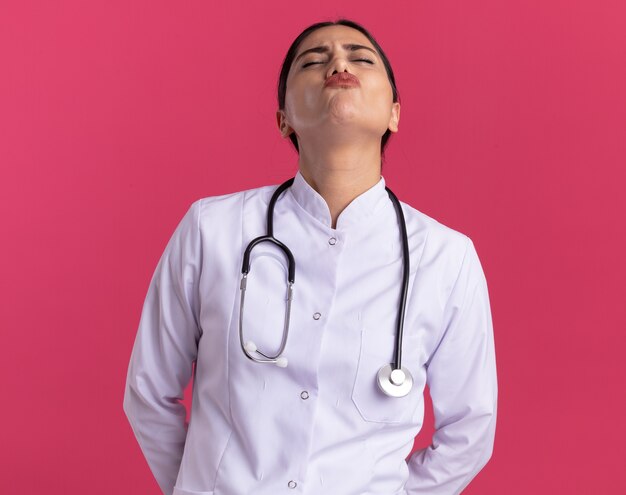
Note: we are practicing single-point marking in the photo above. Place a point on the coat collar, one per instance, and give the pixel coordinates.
(361, 208)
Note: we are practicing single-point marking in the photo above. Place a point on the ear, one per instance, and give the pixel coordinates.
(281, 121)
(395, 117)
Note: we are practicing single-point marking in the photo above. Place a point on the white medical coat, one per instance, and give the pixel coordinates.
(321, 425)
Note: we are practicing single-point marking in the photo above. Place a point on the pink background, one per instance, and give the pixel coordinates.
(116, 116)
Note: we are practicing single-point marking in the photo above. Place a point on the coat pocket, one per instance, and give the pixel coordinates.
(376, 350)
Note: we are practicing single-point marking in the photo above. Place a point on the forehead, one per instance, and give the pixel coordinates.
(332, 34)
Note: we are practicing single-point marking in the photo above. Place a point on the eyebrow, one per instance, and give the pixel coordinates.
(325, 49)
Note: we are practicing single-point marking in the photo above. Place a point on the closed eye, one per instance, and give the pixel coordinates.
(356, 60)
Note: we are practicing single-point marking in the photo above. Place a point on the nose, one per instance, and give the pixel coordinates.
(337, 64)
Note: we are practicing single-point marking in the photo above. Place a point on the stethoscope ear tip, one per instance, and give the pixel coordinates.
(250, 347)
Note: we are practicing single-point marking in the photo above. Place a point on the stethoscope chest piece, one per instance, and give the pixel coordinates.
(394, 382)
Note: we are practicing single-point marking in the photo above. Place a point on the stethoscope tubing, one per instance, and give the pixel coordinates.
(397, 364)
(387, 377)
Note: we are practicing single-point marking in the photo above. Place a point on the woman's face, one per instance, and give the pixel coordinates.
(313, 110)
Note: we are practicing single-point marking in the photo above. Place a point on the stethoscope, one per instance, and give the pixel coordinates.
(393, 379)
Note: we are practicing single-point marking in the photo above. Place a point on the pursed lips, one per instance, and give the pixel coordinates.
(343, 79)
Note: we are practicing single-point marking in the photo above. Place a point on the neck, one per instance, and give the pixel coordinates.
(340, 174)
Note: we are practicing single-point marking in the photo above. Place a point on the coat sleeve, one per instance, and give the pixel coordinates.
(461, 375)
(165, 347)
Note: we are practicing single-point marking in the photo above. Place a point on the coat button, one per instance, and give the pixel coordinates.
(316, 316)
(304, 395)
(332, 241)
(292, 484)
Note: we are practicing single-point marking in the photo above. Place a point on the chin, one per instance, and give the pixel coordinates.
(342, 108)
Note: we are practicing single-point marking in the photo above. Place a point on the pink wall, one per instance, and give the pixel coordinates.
(115, 116)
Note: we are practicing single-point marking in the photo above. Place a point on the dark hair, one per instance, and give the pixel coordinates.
(293, 49)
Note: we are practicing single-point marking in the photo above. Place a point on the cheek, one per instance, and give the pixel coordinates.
(383, 90)
(381, 99)
(300, 102)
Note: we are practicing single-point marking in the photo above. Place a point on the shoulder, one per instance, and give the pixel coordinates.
(449, 252)
(453, 251)
(438, 236)
(224, 206)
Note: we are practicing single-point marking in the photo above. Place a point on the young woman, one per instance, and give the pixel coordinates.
(316, 312)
